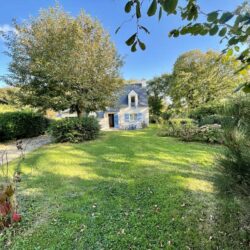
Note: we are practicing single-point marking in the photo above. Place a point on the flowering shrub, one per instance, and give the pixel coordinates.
(8, 212)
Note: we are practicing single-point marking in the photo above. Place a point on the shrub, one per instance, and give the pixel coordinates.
(177, 127)
(211, 133)
(208, 110)
(7, 108)
(21, 124)
(75, 129)
(236, 126)
(153, 119)
(187, 130)
(166, 115)
(211, 119)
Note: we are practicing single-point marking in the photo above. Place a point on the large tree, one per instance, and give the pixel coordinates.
(232, 26)
(8, 95)
(157, 90)
(200, 78)
(59, 61)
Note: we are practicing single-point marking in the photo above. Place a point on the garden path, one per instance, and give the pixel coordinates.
(29, 145)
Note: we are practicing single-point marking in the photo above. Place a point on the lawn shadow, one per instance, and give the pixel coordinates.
(128, 190)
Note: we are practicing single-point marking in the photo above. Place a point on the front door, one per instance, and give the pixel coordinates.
(111, 121)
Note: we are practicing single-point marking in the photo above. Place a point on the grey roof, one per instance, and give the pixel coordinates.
(141, 92)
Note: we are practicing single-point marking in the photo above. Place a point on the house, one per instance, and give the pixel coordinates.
(131, 110)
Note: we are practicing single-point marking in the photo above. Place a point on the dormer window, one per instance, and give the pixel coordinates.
(133, 99)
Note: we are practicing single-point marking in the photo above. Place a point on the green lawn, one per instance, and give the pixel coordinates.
(126, 190)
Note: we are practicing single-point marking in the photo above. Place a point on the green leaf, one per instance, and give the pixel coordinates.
(128, 6)
(184, 31)
(174, 33)
(152, 9)
(246, 88)
(230, 52)
(233, 41)
(117, 30)
(243, 38)
(131, 40)
(203, 31)
(170, 5)
(214, 30)
(160, 13)
(144, 28)
(133, 48)
(223, 31)
(142, 45)
(212, 16)
(138, 10)
(243, 55)
(226, 17)
(237, 48)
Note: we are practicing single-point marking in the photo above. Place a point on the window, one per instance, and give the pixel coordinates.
(132, 101)
(133, 117)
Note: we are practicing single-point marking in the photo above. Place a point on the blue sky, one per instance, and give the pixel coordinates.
(161, 51)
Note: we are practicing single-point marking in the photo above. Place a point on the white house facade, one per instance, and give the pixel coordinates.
(131, 111)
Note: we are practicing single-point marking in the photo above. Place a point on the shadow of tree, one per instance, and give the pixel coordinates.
(127, 190)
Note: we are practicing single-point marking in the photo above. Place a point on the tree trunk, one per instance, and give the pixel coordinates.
(79, 111)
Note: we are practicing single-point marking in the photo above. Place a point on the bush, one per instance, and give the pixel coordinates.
(187, 130)
(209, 112)
(236, 126)
(153, 119)
(211, 119)
(210, 133)
(21, 124)
(166, 115)
(177, 127)
(181, 121)
(7, 108)
(75, 129)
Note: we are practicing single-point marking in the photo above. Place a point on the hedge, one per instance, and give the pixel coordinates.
(75, 129)
(21, 124)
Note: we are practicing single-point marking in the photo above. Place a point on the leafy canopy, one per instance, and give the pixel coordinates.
(233, 27)
(157, 89)
(200, 78)
(59, 62)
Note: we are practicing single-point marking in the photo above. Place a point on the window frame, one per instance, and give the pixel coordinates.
(133, 103)
(134, 115)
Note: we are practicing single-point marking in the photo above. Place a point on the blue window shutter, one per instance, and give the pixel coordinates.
(126, 117)
(139, 117)
(116, 121)
(100, 114)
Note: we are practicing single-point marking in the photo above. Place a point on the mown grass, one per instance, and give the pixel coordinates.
(126, 190)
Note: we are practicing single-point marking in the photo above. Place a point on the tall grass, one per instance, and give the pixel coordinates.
(236, 125)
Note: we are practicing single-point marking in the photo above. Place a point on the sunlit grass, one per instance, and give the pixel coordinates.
(126, 190)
